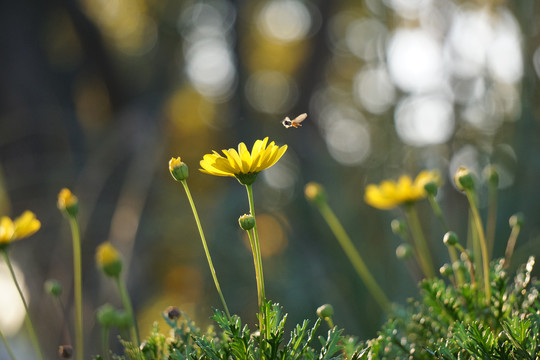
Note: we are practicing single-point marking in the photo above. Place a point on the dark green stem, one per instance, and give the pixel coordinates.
(451, 250)
(129, 310)
(426, 263)
(354, 256)
(482, 242)
(257, 248)
(205, 246)
(77, 283)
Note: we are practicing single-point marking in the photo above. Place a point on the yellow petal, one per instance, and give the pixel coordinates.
(6, 230)
(25, 225)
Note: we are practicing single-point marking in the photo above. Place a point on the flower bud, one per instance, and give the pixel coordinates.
(491, 175)
(404, 251)
(106, 315)
(246, 221)
(446, 270)
(108, 259)
(463, 179)
(172, 312)
(178, 169)
(325, 311)
(399, 227)
(516, 220)
(458, 266)
(65, 351)
(68, 203)
(431, 188)
(450, 239)
(53, 287)
(122, 319)
(315, 193)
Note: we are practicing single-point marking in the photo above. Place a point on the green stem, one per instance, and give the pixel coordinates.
(129, 309)
(205, 246)
(491, 217)
(105, 342)
(6, 344)
(483, 246)
(468, 259)
(260, 295)
(27, 319)
(451, 250)
(354, 256)
(426, 263)
(510, 245)
(261, 292)
(77, 284)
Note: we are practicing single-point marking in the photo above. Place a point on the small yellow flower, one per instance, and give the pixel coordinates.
(108, 259)
(23, 226)
(67, 202)
(242, 164)
(390, 194)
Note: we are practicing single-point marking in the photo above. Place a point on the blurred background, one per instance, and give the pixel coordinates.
(97, 95)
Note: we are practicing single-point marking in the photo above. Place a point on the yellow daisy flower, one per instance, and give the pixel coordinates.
(390, 194)
(242, 164)
(23, 226)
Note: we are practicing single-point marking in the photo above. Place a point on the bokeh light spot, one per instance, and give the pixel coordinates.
(348, 141)
(415, 60)
(211, 69)
(271, 92)
(272, 236)
(366, 38)
(424, 120)
(11, 321)
(285, 21)
(374, 90)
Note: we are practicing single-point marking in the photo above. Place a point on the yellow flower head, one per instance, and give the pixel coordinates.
(67, 202)
(242, 164)
(108, 259)
(23, 226)
(390, 194)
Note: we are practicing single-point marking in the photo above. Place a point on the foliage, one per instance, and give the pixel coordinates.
(234, 340)
(451, 323)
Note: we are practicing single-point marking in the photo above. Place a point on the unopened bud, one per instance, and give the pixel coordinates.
(491, 175)
(53, 287)
(315, 193)
(399, 227)
(450, 239)
(106, 315)
(246, 221)
(463, 179)
(178, 169)
(516, 220)
(404, 251)
(446, 270)
(325, 311)
(108, 259)
(431, 188)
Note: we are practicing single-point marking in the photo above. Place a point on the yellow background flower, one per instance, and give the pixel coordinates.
(390, 194)
(242, 162)
(23, 226)
(66, 199)
(106, 254)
